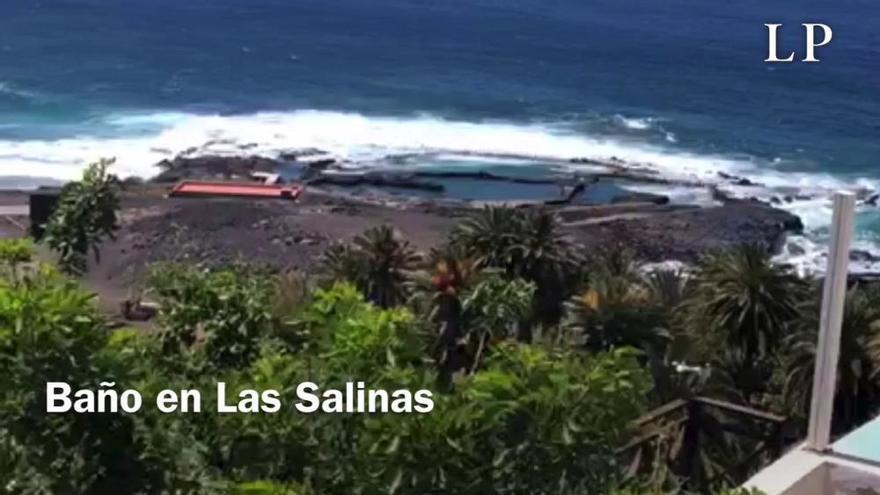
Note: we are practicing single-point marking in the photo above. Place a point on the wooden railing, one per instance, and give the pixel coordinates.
(682, 434)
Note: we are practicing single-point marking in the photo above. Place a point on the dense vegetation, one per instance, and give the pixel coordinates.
(539, 357)
(534, 419)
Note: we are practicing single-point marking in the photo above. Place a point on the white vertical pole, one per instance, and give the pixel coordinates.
(833, 298)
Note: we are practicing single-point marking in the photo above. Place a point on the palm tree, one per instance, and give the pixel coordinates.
(679, 374)
(438, 290)
(527, 244)
(858, 388)
(742, 379)
(615, 312)
(667, 288)
(342, 261)
(740, 298)
(389, 258)
(377, 262)
(490, 236)
(615, 262)
(547, 259)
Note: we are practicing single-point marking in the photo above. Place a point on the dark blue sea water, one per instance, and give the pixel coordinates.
(679, 84)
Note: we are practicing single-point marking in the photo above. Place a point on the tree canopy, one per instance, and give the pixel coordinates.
(539, 361)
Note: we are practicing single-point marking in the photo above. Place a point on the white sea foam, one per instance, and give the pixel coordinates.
(635, 123)
(144, 139)
(678, 195)
(808, 252)
(809, 256)
(348, 135)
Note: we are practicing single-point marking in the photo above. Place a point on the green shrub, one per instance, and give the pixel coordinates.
(344, 329)
(532, 420)
(16, 251)
(219, 314)
(84, 217)
(50, 331)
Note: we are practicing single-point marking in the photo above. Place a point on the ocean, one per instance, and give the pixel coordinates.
(678, 85)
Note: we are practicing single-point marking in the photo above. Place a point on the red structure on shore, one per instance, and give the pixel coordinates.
(230, 189)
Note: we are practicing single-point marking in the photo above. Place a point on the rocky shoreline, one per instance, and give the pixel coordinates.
(291, 235)
(341, 201)
(598, 210)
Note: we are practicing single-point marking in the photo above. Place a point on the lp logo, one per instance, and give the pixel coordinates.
(811, 44)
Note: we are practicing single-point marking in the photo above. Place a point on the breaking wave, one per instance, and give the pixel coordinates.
(140, 140)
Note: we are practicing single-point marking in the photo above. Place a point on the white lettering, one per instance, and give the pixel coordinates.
(304, 393)
(771, 43)
(424, 401)
(166, 401)
(811, 39)
(221, 400)
(131, 401)
(57, 392)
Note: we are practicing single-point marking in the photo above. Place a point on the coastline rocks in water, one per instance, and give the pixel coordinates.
(312, 160)
(795, 250)
(685, 234)
(791, 198)
(593, 161)
(863, 256)
(576, 191)
(376, 179)
(718, 194)
(489, 176)
(737, 180)
(314, 168)
(213, 167)
(640, 197)
(297, 155)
